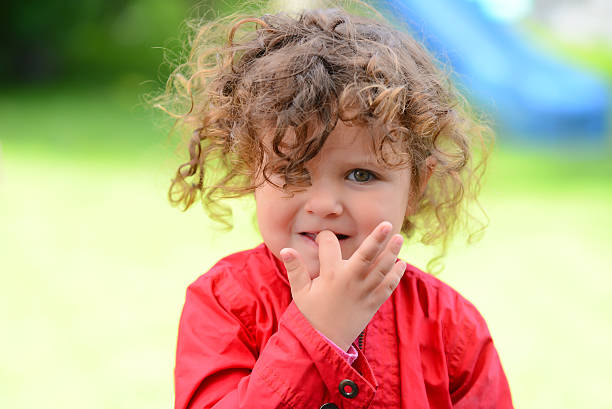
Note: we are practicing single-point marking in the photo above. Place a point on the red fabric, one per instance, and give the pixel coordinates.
(243, 343)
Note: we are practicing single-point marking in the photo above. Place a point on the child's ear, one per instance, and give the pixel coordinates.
(425, 174)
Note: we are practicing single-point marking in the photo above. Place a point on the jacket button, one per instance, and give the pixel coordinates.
(329, 405)
(348, 388)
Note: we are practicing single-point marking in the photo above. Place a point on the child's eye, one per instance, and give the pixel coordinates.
(361, 176)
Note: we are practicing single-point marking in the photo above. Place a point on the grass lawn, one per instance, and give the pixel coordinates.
(94, 263)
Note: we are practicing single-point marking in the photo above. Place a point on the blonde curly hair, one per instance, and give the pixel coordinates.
(246, 77)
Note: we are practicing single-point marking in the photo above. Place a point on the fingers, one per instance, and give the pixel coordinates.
(330, 253)
(385, 261)
(371, 247)
(390, 281)
(298, 276)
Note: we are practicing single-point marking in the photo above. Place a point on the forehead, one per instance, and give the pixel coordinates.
(361, 143)
(348, 139)
(343, 136)
(347, 143)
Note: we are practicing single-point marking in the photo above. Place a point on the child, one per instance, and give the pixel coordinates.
(348, 136)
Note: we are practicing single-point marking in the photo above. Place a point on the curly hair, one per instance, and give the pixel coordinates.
(246, 77)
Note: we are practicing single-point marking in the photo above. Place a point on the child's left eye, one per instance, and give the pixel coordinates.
(361, 175)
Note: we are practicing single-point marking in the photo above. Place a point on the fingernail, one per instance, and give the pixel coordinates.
(286, 255)
(386, 228)
(397, 243)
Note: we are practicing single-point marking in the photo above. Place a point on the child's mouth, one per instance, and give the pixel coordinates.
(313, 236)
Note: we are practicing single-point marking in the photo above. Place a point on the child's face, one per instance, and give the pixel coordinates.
(350, 194)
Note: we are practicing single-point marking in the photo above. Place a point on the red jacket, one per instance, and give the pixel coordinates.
(243, 343)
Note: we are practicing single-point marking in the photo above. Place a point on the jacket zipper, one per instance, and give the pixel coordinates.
(361, 341)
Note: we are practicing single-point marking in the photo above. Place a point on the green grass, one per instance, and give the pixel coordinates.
(94, 262)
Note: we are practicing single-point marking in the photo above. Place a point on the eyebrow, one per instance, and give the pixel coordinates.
(361, 161)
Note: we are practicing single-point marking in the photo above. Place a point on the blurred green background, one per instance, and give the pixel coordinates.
(94, 262)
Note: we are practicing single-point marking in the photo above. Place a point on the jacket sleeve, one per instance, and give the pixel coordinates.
(477, 379)
(220, 365)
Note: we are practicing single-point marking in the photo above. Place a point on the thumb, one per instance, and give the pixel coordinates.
(299, 278)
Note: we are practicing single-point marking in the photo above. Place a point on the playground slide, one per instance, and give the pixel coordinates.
(527, 92)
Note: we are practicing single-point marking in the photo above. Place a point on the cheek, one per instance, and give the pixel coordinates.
(369, 214)
(390, 207)
(402, 204)
(273, 211)
(262, 210)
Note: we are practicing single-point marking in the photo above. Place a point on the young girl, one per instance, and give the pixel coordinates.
(350, 139)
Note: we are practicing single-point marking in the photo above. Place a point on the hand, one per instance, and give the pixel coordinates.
(347, 293)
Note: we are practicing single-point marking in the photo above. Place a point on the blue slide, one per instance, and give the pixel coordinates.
(526, 92)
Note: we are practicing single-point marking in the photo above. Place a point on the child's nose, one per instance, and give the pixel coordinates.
(323, 201)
